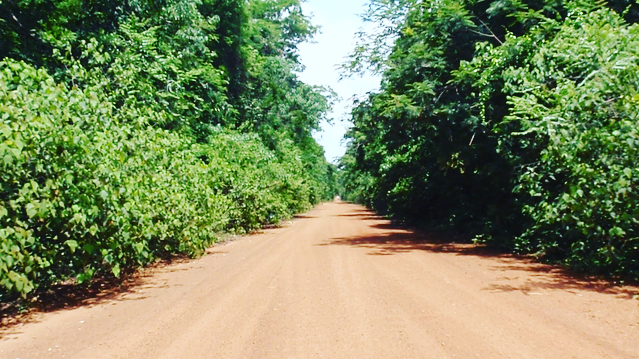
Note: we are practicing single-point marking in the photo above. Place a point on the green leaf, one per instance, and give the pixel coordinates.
(138, 247)
(116, 269)
(617, 232)
(78, 218)
(88, 247)
(627, 172)
(85, 276)
(13, 276)
(19, 283)
(73, 245)
(31, 210)
(93, 229)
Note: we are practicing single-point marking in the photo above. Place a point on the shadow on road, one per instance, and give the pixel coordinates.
(388, 239)
(360, 216)
(68, 296)
(397, 241)
(297, 216)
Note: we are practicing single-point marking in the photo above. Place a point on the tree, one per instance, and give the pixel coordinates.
(488, 121)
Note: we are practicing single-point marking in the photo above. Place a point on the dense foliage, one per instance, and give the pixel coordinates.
(513, 120)
(132, 130)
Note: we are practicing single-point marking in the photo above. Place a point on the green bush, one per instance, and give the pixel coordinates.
(87, 190)
(576, 105)
(511, 121)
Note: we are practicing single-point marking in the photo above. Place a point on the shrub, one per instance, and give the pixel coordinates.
(85, 189)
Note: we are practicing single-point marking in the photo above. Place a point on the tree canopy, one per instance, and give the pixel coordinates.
(514, 121)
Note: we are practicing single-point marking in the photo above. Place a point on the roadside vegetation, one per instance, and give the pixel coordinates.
(514, 120)
(133, 130)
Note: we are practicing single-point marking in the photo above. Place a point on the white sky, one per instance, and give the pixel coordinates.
(339, 22)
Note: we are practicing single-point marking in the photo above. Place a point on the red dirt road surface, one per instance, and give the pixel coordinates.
(341, 283)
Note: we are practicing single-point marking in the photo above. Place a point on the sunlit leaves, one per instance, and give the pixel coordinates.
(512, 120)
(87, 194)
(159, 125)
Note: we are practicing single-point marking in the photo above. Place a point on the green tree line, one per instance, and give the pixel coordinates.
(137, 129)
(515, 121)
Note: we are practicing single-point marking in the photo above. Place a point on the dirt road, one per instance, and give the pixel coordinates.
(341, 283)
